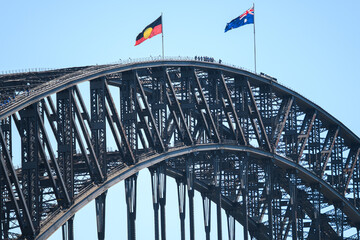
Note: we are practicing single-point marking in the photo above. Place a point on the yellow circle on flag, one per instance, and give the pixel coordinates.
(147, 32)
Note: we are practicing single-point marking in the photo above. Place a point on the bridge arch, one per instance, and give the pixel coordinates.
(170, 110)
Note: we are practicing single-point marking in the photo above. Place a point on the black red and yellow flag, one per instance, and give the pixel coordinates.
(149, 31)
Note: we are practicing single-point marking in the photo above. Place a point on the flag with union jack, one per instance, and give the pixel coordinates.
(246, 18)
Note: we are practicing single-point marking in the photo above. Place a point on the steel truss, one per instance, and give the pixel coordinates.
(274, 161)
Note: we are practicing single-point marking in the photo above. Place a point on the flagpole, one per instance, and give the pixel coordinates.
(162, 35)
(254, 39)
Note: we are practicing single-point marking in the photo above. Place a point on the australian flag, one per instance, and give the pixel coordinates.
(246, 18)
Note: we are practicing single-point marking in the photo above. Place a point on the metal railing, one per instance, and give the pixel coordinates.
(24, 96)
(29, 70)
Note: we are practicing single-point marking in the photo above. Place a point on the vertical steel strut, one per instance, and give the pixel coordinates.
(98, 141)
(190, 185)
(4, 210)
(231, 226)
(100, 204)
(98, 122)
(64, 161)
(158, 183)
(217, 174)
(244, 190)
(130, 194)
(155, 196)
(181, 189)
(68, 229)
(316, 222)
(207, 215)
(29, 131)
(293, 205)
(162, 198)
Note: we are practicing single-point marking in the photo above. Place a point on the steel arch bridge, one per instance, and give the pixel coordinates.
(273, 160)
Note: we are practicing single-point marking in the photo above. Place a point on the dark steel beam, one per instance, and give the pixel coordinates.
(16, 121)
(205, 105)
(186, 134)
(65, 134)
(115, 117)
(129, 110)
(131, 192)
(144, 125)
(50, 174)
(147, 111)
(162, 198)
(6, 126)
(51, 104)
(255, 114)
(4, 229)
(280, 120)
(92, 171)
(305, 133)
(350, 173)
(217, 177)
(239, 129)
(327, 148)
(145, 144)
(158, 183)
(60, 187)
(11, 179)
(316, 220)
(181, 188)
(98, 122)
(207, 214)
(244, 189)
(114, 132)
(68, 229)
(190, 186)
(229, 120)
(155, 197)
(231, 226)
(293, 206)
(173, 124)
(85, 114)
(100, 204)
(51, 118)
(30, 162)
(95, 166)
(6, 177)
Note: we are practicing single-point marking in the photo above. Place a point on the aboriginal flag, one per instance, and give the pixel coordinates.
(149, 31)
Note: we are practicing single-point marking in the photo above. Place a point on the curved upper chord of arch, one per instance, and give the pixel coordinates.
(276, 162)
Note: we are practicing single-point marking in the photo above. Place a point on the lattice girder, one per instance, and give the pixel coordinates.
(284, 160)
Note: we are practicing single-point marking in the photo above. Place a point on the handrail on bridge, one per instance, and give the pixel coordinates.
(17, 100)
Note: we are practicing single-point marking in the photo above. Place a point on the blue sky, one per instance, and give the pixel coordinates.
(310, 46)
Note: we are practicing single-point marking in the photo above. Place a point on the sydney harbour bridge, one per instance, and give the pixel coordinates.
(274, 161)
